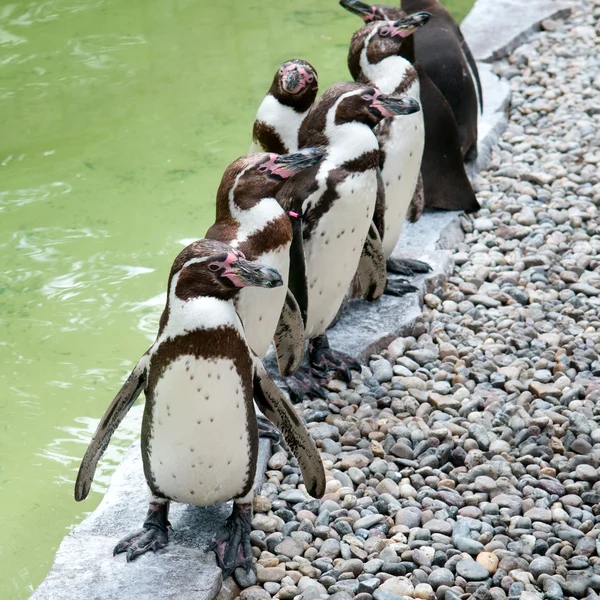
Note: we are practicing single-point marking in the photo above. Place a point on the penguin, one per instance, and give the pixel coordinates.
(199, 435)
(374, 58)
(249, 218)
(287, 102)
(447, 59)
(338, 201)
(445, 182)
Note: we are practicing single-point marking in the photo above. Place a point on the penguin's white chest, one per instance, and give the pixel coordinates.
(199, 448)
(259, 308)
(334, 248)
(403, 150)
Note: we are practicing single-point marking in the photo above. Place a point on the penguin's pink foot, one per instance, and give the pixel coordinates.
(407, 266)
(304, 383)
(153, 536)
(323, 359)
(232, 545)
(399, 287)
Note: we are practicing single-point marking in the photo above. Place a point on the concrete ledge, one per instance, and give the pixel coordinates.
(84, 567)
(494, 28)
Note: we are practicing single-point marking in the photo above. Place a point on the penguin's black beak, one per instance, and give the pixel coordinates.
(364, 11)
(291, 81)
(407, 26)
(390, 106)
(298, 161)
(243, 273)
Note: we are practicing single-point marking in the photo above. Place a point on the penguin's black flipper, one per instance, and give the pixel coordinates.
(278, 409)
(297, 283)
(379, 213)
(417, 203)
(111, 419)
(289, 337)
(371, 267)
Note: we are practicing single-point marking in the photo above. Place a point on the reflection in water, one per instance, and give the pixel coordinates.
(17, 198)
(68, 448)
(41, 12)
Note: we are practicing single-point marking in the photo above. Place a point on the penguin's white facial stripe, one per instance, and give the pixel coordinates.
(386, 75)
(347, 140)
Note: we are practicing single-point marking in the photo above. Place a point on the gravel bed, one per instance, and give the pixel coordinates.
(464, 461)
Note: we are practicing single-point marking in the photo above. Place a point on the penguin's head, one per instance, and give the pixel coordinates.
(384, 38)
(366, 104)
(368, 12)
(295, 84)
(212, 268)
(261, 175)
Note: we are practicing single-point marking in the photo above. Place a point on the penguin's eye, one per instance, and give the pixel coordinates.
(213, 267)
(310, 79)
(367, 97)
(384, 31)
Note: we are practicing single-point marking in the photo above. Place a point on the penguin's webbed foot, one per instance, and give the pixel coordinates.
(232, 545)
(407, 266)
(267, 430)
(399, 287)
(153, 536)
(304, 383)
(323, 359)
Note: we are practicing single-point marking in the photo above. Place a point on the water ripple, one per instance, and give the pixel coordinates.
(24, 196)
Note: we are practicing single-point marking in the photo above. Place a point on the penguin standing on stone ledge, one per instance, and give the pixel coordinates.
(250, 219)
(445, 182)
(374, 58)
(199, 432)
(338, 201)
(285, 106)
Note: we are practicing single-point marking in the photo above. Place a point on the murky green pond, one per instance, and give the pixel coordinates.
(116, 121)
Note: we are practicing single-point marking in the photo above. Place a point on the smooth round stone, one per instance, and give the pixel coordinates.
(398, 585)
(439, 577)
(472, 570)
(488, 560)
(290, 547)
(255, 593)
(424, 591)
(272, 587)
(541, 565)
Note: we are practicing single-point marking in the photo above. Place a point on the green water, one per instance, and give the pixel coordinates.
(117, 118)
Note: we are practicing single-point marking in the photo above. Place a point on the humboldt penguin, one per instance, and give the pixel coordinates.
(338, 201)
(287, 102)
(374, 58)
(249, 218)
(445, 182)
(199, 434)
(447, 59)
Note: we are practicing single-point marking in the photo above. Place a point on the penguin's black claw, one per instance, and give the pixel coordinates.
(232, 545)
(407, 266)
(267, 430)
(140, 542)
(153, 536)
(324, 359)
(399, 288)
(304, 384)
